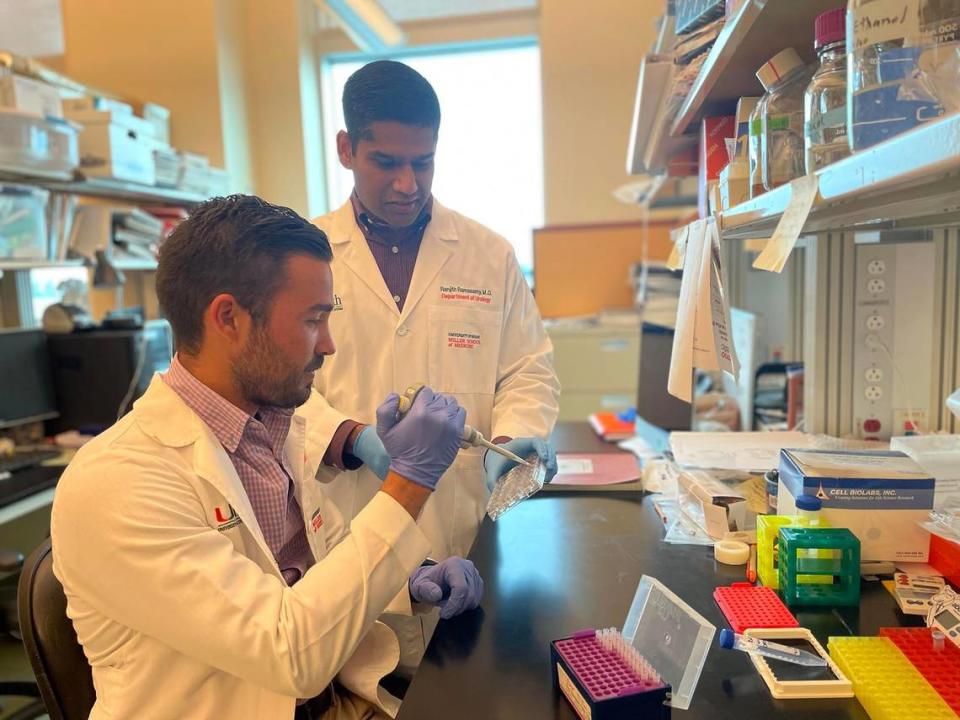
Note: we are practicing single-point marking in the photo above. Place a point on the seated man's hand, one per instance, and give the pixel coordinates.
(424, 443)
(453, 585)
(496, 466)
(368, 448)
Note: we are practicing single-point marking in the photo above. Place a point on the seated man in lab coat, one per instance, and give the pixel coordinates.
(206, 573)
(427, 295)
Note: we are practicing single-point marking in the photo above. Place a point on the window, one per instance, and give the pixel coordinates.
(490, 154)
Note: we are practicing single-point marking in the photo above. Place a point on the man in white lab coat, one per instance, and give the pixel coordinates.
(424, 294)
(206, 573)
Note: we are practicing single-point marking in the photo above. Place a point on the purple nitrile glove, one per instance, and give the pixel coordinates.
(426, 441)
(496, 466)
(453, 585)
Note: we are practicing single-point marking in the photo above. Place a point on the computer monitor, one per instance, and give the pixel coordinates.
(93, 372)
(654, 403)
(26, 384)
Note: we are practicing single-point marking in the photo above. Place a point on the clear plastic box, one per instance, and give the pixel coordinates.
(34, 145)
(671, 635)
(23, 223)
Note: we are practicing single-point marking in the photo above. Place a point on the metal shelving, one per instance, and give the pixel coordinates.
(110, 189)
(912, 180)
(758, 31)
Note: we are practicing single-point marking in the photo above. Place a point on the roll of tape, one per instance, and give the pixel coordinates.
(731, 552)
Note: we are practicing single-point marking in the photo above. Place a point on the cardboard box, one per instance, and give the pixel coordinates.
(30, 96)
(91, 103)
(734, 184)
(117, 145)
(721, 501)
(879, 496)
(713, 157)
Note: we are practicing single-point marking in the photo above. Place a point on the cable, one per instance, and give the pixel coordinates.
(141, 360)
(906, 389)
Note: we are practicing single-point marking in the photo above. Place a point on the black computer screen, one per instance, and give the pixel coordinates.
(26, 385)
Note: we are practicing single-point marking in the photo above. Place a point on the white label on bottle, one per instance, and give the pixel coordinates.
(882, 21)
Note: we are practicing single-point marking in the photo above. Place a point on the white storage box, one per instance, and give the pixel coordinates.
(34, 145)
(879, 496)
(159, 118)
(116, 145)
(30, 96)
(23, 223)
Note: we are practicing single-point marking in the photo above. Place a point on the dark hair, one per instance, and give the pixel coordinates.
(237, 245)
(387, 90)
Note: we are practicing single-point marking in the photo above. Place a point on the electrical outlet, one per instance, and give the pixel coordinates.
(875, 286)
(876, 267)
(873, 393)
(875, 322)
(906, 422)
(873, 375)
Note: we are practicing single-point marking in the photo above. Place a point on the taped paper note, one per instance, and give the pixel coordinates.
(675, 261)
(724, 350)
(702, 336)
(680, 379)
(803, 190)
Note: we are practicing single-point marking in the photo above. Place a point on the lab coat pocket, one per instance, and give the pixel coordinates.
(464, 349)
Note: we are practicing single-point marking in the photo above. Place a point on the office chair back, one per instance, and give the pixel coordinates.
(63, 673)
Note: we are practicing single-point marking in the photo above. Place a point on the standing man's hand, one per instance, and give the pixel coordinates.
(453, 585)
(369, 448)
(426, 441)
(496, 466)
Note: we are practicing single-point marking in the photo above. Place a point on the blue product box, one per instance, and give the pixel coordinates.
(879, 496)
(879, 113)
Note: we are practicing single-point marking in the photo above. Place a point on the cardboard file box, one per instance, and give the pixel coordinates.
(879, 496)
(116, 145)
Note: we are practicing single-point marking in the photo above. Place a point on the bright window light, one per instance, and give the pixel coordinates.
(490, 153)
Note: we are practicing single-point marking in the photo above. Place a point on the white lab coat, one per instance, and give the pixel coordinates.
(176, 597)
(469, 328)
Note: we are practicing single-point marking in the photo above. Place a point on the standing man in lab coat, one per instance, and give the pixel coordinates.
(206, 573)
(424, 294)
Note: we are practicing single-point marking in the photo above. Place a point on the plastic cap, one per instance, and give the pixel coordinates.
(808, 502)
(726, 639)
(830, 27)
(778, 67)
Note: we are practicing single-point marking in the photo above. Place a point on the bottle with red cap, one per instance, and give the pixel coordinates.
(785, 78)
(825, 102)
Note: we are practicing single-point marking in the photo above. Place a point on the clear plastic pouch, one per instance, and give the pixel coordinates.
(517, 485)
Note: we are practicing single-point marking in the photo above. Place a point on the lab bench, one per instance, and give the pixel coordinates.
(565, 561)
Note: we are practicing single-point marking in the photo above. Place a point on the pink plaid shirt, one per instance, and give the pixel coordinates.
(255, 446)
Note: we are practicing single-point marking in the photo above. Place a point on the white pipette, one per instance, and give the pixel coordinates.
(471, 436)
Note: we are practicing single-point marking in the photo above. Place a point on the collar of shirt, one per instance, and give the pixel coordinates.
(375, 230)
(226, 420)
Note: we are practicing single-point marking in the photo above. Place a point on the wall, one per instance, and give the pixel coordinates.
(241, 78)
(165, 52)
(591, 55)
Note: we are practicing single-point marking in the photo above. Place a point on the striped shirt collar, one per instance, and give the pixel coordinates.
(376, 230)
(226, 420)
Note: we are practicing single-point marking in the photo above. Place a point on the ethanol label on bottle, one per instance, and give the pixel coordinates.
(827, 128)
(881, 21)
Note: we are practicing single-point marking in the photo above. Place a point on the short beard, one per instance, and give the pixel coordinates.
(263, 379)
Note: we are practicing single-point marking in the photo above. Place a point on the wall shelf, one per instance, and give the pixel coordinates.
(17, 265)
(760, 30)
(111, 190)
(912, 180)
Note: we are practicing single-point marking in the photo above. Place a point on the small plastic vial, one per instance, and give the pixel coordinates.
(808, 508)
(785, 79)
(938, 637)
(825, 101)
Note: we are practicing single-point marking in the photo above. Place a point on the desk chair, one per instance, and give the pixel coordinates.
(63, 673)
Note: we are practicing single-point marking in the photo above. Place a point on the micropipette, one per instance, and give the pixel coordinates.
(729, 640)
(471, 437)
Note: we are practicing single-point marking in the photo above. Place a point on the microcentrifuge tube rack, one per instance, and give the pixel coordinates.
(603, 676)
(517, 485)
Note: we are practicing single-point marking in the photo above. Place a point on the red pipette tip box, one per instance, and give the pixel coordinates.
(749, 606)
